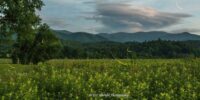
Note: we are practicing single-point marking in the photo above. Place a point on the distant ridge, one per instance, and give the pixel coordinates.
(79, 36)
(124, 37)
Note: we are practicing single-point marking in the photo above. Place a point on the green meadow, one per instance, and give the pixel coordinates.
(143, 79)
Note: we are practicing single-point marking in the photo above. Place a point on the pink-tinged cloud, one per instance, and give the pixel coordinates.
(124, 17)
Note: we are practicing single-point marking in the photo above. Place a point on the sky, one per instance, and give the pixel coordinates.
(110, 16)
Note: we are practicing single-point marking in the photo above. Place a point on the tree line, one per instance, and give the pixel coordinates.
(149, 49)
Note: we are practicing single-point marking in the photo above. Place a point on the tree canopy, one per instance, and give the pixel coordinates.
(20, 17)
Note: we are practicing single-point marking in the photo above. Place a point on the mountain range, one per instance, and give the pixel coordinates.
(123, 36)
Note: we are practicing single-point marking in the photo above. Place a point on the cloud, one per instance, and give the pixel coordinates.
(64, 2)
(55, 22)
(191, 30)
(123, 17)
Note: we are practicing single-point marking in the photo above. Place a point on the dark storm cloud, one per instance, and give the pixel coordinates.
(124, 17)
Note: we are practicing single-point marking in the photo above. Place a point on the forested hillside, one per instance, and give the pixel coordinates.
(124, 37)
(151, 49)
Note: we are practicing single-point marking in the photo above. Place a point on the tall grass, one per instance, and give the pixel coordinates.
(87, 79)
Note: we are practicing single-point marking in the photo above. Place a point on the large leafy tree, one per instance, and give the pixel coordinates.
(45, 46)
(19, 17)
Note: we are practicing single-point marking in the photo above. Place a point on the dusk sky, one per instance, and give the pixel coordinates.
(97, 16)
